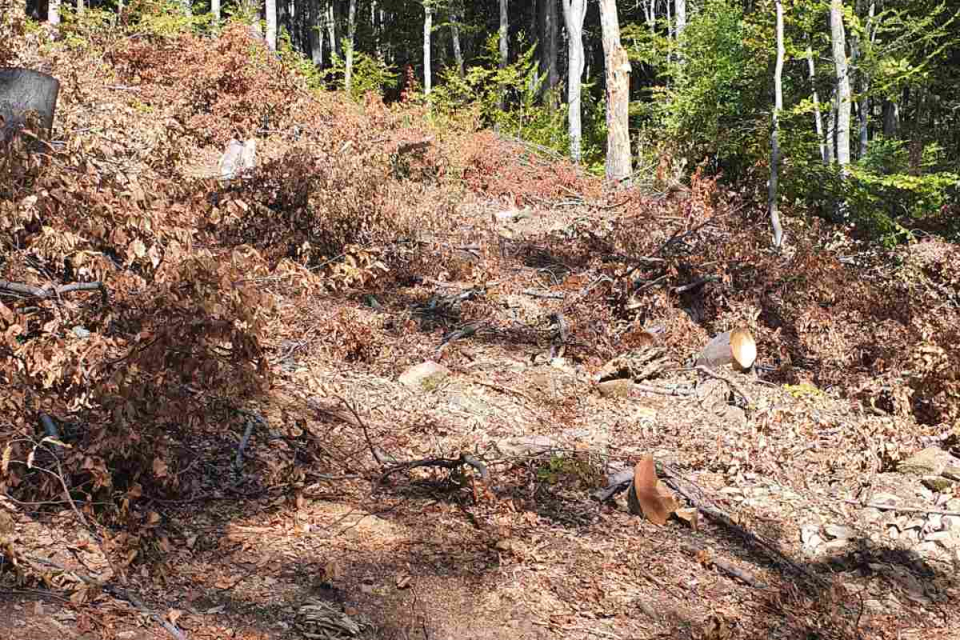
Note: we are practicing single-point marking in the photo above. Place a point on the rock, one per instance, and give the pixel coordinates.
(932, 461)
(425, 376)
(230, 160)
(951, 472)
(835, 545)
(248, 155)
(938, 484)
(810, 536)
(526, 446)
(951, 523)
(619, 388)
(839, 532)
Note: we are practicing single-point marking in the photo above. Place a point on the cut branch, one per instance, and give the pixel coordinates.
(47, 292)
(444, 463)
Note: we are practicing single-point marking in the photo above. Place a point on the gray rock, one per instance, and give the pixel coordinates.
(425, 376)
(839, 532)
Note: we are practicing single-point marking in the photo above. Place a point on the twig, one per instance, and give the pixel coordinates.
(713, 374)
(252, 420)
(538, 294)
(47, 292)
(373, 450)
(696, 283)
(679, 391)
(445, 463)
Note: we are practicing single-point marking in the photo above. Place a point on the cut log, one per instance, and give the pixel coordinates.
(737, 348)
(22, 91)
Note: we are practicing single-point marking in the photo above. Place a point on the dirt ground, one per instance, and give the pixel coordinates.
(424, 554)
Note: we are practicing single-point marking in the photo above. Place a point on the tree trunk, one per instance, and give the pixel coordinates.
(316, 33)
(772, 198)
(574, 12)
(838, 39)
(427, 28)
(817, 118)
(271, 9)
(455, 38)
(549, 45)
(891, 119)
(830, 136)
(618, 94)
(332, 29)
(863, 108)
(504, 46)
(681, 10)
(351, 32)
(53, 12)
(215, 9)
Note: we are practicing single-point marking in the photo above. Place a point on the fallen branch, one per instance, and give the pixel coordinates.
(538, 294)
(664, 391)
(696, 283)
(252, 420)
(891, 507)
(381, 460)
(46, 292)
(444, 463)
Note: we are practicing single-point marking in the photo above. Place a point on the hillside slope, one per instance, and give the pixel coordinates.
(234, 397)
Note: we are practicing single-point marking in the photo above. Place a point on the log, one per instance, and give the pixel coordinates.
(737, 348)
(22, 91)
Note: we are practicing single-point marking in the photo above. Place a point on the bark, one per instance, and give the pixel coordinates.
(838, 39)
(455, 38)
(549, 44)
(891, 119)
(351, 33)
(680, 7)
(215, 9)
(574, 12)
(863, 107)
(332, 29)
(53, 12)
(427, 28)
(830, 136)
(504, 46)
(316, 34)
(618, 94)
(817, 118)
(772, 197)
(271, 35)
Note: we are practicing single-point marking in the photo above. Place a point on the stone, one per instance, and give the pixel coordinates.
(839, 532)
(619, 388)
(248, 155)
(425, 376)
(938, 484)
(230, 160)
(930, 462)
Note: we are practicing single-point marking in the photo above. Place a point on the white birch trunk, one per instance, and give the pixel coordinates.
(838, 39)
(772, 198)
(351, 33)
(617, 68)
(427, 29)
(271, 10)
(215, 9)
(817, 118)
(574, 12)
(53, 12)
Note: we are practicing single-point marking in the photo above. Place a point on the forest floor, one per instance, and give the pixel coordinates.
(301, 515)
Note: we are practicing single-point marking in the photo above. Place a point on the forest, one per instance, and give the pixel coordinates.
(397, 319)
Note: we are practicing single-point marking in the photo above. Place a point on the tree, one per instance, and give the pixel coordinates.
(351, 36)
(504, 45)
(271, 10)
(817, 118)
(455, 13)
(618, 94)
(215, 9)
(549, 44)
(838, 40)
(772, 196)
(427, 29)
(53, 12)
(574, 12)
